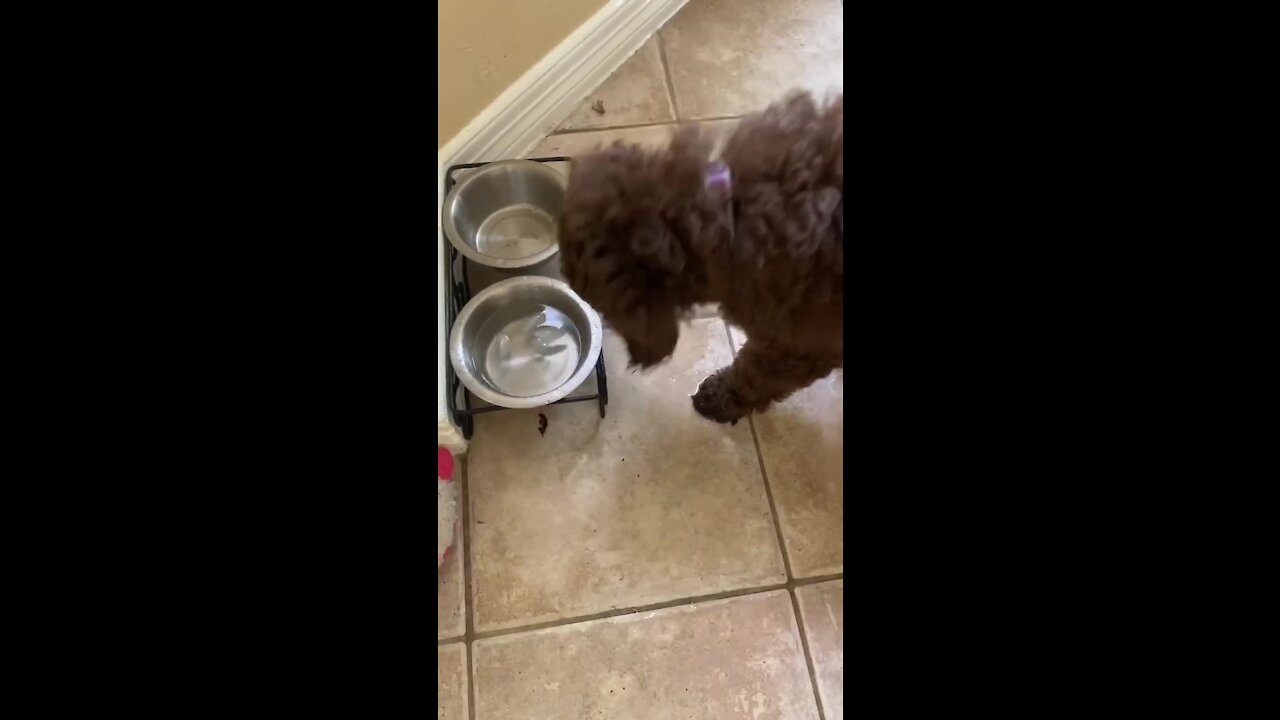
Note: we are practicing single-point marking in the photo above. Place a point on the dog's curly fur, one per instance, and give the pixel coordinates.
(643, 238)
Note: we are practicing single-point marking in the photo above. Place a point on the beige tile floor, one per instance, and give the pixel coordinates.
(652, 564)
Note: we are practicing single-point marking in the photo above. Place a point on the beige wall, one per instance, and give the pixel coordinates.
(485, 45)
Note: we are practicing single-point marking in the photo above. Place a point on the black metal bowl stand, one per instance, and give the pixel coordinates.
(460, 292)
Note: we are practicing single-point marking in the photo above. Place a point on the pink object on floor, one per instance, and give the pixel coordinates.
(446, 505)
(444, 464)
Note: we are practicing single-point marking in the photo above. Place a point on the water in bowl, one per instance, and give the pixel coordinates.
(533, 353)
(516, 231)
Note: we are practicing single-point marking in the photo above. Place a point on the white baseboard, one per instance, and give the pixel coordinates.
(448, 436)
(529, 110)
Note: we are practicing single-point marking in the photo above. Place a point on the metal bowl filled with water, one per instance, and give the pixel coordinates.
(525, 342)
(503, 214)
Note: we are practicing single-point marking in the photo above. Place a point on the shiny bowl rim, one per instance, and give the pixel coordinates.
(451, 230)
(482, 391)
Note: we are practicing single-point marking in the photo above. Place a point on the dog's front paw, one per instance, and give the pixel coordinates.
(715, 400)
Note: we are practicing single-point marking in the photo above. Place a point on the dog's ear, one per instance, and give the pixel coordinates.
(660, 259)
(619, 253)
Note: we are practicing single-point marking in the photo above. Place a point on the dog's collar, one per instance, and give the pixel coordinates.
(717, 175)
(718, 180)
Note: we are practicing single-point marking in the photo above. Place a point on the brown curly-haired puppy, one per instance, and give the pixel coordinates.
(645, 235)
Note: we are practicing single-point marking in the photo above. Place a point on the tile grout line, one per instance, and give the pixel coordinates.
(468, 633)
(768, 491)
(816, 579)
(666, 74)
(610, 128)
(664, 605)
(764, 474)
(637, 126)
(631, 610)
(786, 562)
(808, 655)
(619, 612)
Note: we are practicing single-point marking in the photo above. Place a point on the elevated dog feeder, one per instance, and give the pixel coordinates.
(465, 277)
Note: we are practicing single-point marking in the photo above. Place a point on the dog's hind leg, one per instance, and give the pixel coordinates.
(760, 376)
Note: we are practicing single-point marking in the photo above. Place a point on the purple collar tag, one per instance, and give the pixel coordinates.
(717, 175)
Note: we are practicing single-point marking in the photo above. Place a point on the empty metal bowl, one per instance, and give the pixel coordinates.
(525, 342)
(504, 214)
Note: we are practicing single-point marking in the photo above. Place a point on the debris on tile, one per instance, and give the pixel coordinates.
(542, 424)
(598, 106)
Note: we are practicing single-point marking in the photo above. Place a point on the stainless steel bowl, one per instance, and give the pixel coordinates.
(504, 214)
(525, 342)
